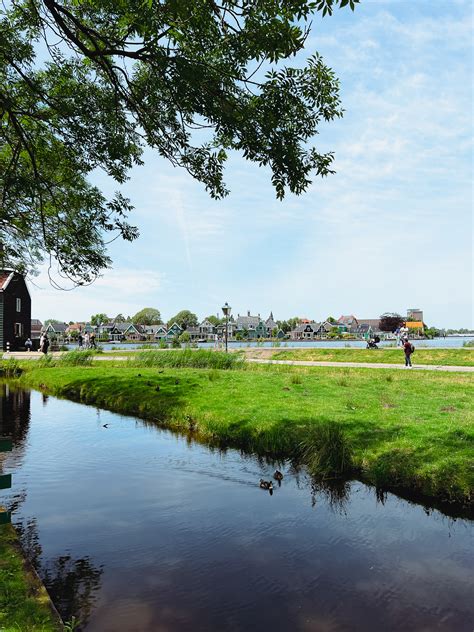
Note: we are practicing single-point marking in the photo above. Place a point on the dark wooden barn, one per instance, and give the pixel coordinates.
(15, 310)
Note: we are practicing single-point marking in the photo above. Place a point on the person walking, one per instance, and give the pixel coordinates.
(86, 340)
(408, 348)
(92, 340)
(79, 340)
(45, 345)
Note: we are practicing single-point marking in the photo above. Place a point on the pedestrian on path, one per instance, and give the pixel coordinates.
(28, 344)
(408, 348)
(45, 346)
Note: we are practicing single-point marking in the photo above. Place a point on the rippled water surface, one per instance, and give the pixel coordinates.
(136, 529)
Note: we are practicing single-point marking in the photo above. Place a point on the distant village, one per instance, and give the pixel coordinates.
(242, 327)
(16, 325)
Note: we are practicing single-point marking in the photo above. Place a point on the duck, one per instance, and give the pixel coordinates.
(266, 484)
(278, 476)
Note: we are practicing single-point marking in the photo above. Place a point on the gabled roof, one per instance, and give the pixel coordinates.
(371, 322)
(138, 328)
(5, 277)
(57, 327)
(328, 325)
(248, 321)
(151, 329)
(312, 325)
(206, 323)
(36, 323)
(347, 320)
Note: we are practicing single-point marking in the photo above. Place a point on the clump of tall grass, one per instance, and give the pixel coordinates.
(197, 359)
(296, 379)
(10, 368)
(468, 343)
(213, 375)
(76, 358)
(325, 450)
(46, 361)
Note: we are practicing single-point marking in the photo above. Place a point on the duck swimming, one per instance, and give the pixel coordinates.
(266, 484)
(278, 476)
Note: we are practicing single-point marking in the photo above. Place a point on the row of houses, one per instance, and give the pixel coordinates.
(350, 325)
(243, 327)
(16, 324)
(248, 327)
(312, 330)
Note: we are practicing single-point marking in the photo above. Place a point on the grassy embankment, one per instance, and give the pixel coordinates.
(438, 357)
(24, 603)
(405, 430)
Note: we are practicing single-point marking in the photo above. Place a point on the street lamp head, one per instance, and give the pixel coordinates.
(226, 309)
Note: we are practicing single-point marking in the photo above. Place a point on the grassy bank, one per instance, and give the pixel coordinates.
(398, 430)
(24, 603)
(439, 357)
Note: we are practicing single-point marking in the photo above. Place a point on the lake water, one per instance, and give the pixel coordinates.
(136, 529)
(451, 342)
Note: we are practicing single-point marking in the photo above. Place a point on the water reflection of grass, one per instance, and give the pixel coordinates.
(414, 430)
(24, 603)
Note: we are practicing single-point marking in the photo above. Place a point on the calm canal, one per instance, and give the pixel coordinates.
(136, 529)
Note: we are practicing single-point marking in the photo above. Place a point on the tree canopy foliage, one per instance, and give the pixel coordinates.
(147, 316)
(184, 319)
(214, 320)
(88, 84)
(98, 319)
(390, 321)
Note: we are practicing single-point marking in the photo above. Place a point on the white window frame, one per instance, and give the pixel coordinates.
(18, 305)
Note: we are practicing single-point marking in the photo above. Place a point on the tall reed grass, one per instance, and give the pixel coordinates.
(188, 358)
(71, 358)
(325, 450)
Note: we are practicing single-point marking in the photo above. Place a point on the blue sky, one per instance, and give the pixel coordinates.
(391, 230)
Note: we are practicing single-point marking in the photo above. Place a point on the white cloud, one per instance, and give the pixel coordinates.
(118, 291)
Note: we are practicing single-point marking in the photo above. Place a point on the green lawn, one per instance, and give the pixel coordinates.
(24, 603)
(404, 429)
(440, 357)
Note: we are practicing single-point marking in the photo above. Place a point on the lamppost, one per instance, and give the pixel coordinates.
(226, 309)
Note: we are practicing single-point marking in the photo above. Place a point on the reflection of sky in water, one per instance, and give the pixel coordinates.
(185, 538)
